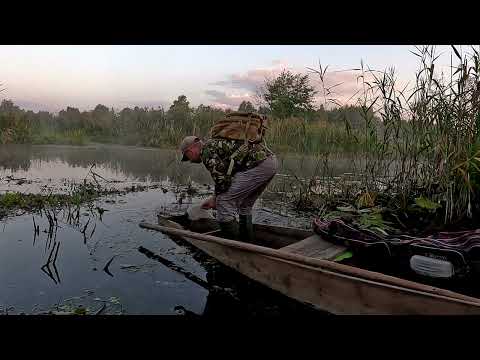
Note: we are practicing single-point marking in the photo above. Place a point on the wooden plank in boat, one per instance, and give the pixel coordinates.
(283, 231)
(314, 246)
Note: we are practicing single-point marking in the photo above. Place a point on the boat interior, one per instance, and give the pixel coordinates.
(307, 243)
(297, 241)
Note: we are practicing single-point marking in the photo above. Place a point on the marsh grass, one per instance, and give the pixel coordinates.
(298, 135)
(425, 146)
(67, 137)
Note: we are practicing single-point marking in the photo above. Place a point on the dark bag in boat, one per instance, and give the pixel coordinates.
(443, 255)
(363, 242)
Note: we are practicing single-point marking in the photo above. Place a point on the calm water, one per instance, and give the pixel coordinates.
(132, 282)
(53, 165)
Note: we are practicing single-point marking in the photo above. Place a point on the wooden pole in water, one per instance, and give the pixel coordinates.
(325, 264)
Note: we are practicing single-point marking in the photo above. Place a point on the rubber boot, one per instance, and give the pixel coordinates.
(246, 232)
(229, 229)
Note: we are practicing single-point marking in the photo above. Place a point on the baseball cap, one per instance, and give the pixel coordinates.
(186, 142)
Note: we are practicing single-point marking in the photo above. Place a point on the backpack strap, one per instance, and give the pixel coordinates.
(247, 126)
(242, 148)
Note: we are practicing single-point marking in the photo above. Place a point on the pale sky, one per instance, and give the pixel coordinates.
(53, 77)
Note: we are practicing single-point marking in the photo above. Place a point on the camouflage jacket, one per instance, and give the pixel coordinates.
(216, 155)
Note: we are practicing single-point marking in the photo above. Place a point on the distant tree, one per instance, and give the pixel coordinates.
(70, 118)
(289, 94)
(8, 106)
(202, 108)
(179, 115)
(246, 106)
(14, 124)
(101, 109)
(180, 110)
(181, 105)
(44, 116)
(102, 118)
(204, 117)
(264, 110)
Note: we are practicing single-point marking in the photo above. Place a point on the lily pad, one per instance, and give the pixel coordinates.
(80, 311)
(427, 204)
(375, 222)
(114, 300)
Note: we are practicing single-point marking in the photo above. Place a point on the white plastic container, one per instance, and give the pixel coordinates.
(431, 267)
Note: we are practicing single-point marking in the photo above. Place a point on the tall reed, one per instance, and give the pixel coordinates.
(427, 143)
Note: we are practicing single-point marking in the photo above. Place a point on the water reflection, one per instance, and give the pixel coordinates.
(52, 263)
(43, 264)
(112, 162)
(230, 293)
(71, 247)
(144, 164)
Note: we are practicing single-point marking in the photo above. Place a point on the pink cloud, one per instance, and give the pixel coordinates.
(253, 79)
(226, 100)
(344, 86)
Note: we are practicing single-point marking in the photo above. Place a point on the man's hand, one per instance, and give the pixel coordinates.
(210, 203)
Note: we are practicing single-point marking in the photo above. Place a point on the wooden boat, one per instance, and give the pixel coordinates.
(298, 264)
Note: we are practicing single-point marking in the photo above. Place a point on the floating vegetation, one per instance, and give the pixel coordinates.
(85, 193)
(84, 305)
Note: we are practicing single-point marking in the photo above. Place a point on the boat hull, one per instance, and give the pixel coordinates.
(328, 290)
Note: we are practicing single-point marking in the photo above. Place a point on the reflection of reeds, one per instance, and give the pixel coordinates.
(36, 230)
(84, 230)
(71, 213)
(52, 262)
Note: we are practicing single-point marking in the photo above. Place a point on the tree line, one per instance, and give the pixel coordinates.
(286, 97)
